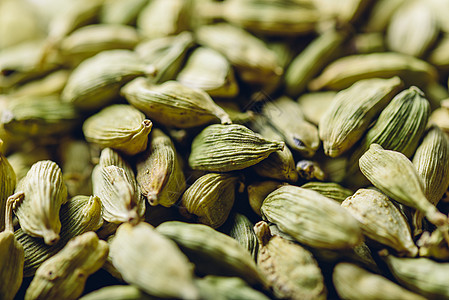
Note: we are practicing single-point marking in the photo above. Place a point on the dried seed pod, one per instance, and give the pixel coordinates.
(166, 273)
(45, 192)
(117, 292)
(433, 245)
(110, 157)
(381, 13)
(8, 184)
(314, 105)
(11, 254)
(312, 60)
(166, 54)
(331, 190)
(119, 126)
(173, 104)
(96, 82)
(395, 175)
(431, 161)
(211, 198)
(353, 282)
(224, 148)
(310, 170)
(352, 111)
(159, 173)
(119, 12)
(290, 269)
(286, 117)
(440, 117)
(51, 84)
(241, 229)
(345, 71)
(92, 39)
(421, 275)
(381, 221)
(344, 12)
(37, 116)
(399, 127)
(439, 56)
(310, 218)
(119, 193)
(258, 191)
(217, 287)
(212, 252)
(253, 60)
(209, 70)
(79, 215)
(64, 275)
(413, 28)
(160, 18)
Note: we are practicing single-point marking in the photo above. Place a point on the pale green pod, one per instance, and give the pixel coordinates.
(174, 104)
(64, 275)
(121, 12)
(119, 126)
(52, 83)
(345, 11)
(353, 283)
(352, 111)
(314, 105)
(166, 54)
(89, 40)
(227, 288)
(110, 157)
(224, 148)
(11, 254)
(159, 173)
(311, 218)
(96, 82)
(312, 60)
(291, 270)
(117, 292)
(209, 70)
(38, 116)
(212, 252)
(440, 117)
(287, 18)
(395, 175)
(21, 161)
(286, 117)
(412, 29)
(421, 275)
(119, 193)
(278, 165)
(439, 56)
(166, 273)
(8, 184)
(310, 170)
(241, 229)
(76, 166)
(381, 220)
(45, 192)
(344, 72)
(258, 191)
(20, 63)
(399, 127)
(380, 14)
(431, 161)
(253, 60)
(161, 18)
(365, 43)
(331, 190)
(211, 198)
(79, 215)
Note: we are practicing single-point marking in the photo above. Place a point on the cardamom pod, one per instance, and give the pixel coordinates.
(311, 218)
(212, 252)
(381, 221)
(110, 157)
(52, 83)
(439, 56)
(211, 198)
(119, 126)
(227, 288)
(291, 270)
(173, 104)
(258, 191)
(352, 111)
(241, 229)
(64, 275)
(310, 170)
(79, 215)
(314, 105)
(330, 190)
(166, 273)
(8, 183)
(159, 172)
(45, 192)
(117, 292)
(353, 282)
(224, 148)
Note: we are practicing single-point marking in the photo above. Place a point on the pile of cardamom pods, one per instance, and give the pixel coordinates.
(234, 149)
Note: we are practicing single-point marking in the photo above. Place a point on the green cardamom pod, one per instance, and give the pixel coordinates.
(331, 190)
(64, 275)
(224, 148)
(314, 105)
(166, 273)
(8, 183)
(227, 288)
(45, 192)
(117, 292)
(258, 191)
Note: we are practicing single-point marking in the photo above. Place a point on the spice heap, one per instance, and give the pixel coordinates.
(236, 149)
